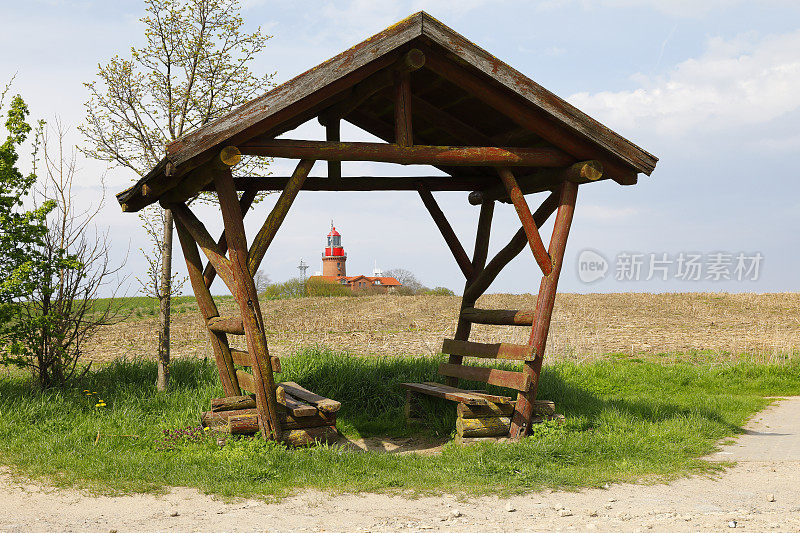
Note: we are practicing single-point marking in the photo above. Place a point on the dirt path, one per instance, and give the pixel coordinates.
(762, 492)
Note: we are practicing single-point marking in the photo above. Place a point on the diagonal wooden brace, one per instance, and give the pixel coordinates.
(248, 196)
(447, 232)
(528, 224)
(267, 232)
(200, 234)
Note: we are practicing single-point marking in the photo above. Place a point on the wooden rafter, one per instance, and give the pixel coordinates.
(403, 131)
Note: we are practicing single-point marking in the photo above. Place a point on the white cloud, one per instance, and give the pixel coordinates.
(734, 84)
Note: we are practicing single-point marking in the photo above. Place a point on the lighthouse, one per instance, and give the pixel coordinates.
(334, 257)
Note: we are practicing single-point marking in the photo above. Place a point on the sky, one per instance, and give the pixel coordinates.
(712, 88)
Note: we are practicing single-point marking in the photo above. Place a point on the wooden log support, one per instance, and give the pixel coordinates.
(247, 423)
(310, 436)
(528, 224)
(233, 403)
(544, 307)
(483, 427)
(294, 406)
(502, 350)
(517, 243)
(232, 325)
(412, 60)
(408, 155)
(276, 217)
(502, 378)
(479, 254)
(403, 132)
(246, 296)
(540, 408)
(245, 202)
(217, 419)
(498, 317)
(187, 219)
(538, 122)
(461, 257)
(208, 310)
(583, 172)
(333, 134)
(484, 411)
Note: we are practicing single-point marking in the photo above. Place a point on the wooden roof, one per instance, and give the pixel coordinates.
(489, 104)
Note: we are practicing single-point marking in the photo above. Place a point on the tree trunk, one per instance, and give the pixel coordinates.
(164, 300)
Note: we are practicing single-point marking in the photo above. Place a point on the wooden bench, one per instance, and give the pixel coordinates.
(306, 418)
(481, 414)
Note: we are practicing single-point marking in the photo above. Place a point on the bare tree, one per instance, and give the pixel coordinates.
(193, 68)
(52, 326)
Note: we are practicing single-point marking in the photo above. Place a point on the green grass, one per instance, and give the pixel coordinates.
(625, 420)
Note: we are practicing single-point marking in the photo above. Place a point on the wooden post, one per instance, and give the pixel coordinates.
(245, 202)
(544, 308)
(403, 135)
(528, 224)
(247, 298)
(208, 309)
(333, 134)
(479, 256)
(447, 232)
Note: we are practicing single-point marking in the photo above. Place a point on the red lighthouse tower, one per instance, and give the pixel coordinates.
(334, 258)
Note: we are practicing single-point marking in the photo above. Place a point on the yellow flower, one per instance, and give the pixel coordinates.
(97, 405)
(205, 428)
(85, 390)
(102, 404)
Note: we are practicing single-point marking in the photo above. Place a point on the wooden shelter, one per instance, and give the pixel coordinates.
(436, 99)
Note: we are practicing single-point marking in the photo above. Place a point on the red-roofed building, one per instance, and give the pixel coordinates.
(334, 259)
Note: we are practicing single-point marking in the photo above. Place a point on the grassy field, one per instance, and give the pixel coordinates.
(625, 420)
(702, 327)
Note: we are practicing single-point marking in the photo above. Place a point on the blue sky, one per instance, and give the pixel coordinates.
(710, 87)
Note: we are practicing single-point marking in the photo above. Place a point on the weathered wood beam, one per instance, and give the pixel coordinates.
(267, 232)
(208, 310)
(509, 252)
(528, 224)
(536, 121)
(206, 242)
(447, 232)
(408, 155)
(247, 297)
(544, 308)
(368, 183)
(583, 172)
(403, 130)
(498, 317)
(412, 60)
(245, 202)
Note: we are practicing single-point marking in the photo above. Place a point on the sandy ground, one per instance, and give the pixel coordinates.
(760, 493)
